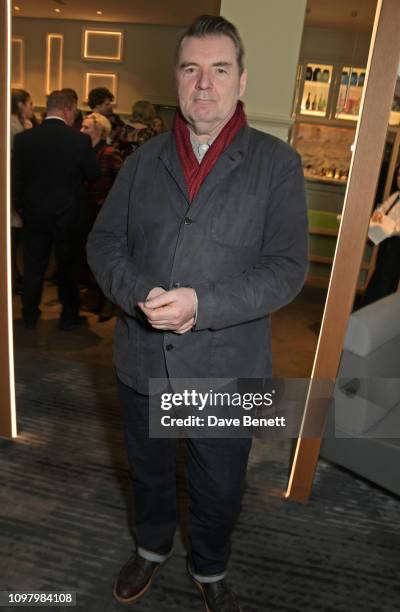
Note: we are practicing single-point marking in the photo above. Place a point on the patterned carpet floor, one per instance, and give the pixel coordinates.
(65, 513)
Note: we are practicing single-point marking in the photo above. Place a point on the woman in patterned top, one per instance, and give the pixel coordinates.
(143, 113)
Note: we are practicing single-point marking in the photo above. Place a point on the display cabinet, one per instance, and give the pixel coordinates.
(316, 83)
(329, 91)
(325, 150)
(327, 106)
(349, 93)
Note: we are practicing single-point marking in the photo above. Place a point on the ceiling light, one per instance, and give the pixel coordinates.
(57, 10)
(99, 12)
(17, 8)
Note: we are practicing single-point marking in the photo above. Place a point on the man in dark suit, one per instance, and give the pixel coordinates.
(202, 236)
(50, 166)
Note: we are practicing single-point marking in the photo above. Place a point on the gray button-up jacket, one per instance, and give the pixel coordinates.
(241, 244)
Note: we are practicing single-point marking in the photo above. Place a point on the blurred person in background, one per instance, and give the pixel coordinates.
(100, 100)
(386, 276)
(98, 128)
(22, 115)
(22, 118)
(158, 125)
(51, 164)
(78, 113)
(143, 113)
(143, 136)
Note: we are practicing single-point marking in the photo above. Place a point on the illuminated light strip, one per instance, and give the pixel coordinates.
(101, 74)
(49, 39)
(117, 57)
(13, 413)
(20, 83)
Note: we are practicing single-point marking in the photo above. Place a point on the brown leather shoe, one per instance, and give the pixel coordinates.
(135, 579)
(218, 597)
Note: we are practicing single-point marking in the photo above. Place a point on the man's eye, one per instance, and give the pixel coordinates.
(189, 69)
(221, 71)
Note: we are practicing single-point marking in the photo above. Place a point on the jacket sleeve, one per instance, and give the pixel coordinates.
(17, 176)
(108, 253)
(384, 207)
(91, 169)
(279, 274)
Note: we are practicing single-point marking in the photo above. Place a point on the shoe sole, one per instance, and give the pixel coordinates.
(200, 588)
(134, 598)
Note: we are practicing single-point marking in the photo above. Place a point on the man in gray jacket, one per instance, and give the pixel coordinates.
(203, 235)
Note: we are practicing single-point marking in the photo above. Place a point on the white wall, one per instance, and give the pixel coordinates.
(146, 71)
(271, 32)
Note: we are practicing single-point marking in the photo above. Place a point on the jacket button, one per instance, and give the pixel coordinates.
(188, 221)
(169, 347)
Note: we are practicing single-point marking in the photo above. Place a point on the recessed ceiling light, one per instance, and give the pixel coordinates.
(17, 8)
(57, 10)
(99, 12)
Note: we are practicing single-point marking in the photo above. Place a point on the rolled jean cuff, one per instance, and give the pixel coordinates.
(152, 556)
(203, 579)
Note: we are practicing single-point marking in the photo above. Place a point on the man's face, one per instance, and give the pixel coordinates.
(105, 108)
(208, 82)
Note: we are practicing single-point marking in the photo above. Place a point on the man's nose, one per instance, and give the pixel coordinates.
(204, 81)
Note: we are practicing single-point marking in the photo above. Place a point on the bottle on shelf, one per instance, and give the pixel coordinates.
(309, 73)
(314, 103)
(308, 101)
(320, 104)
(361, 79)
(316, 73)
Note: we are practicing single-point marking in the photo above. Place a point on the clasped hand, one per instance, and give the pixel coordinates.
(170, 310)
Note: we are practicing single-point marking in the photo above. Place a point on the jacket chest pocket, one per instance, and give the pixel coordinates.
(238, 222)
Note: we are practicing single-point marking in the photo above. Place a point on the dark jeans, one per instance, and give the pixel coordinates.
(37, 248)
(386, 276)
(216, 471)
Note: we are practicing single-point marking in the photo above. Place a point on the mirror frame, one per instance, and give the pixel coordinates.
(381, 74)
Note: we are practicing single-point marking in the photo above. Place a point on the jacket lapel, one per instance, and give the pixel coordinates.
(226, 163)
(170, 159)
(230, 159)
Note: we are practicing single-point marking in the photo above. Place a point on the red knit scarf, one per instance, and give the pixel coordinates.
(194, 172)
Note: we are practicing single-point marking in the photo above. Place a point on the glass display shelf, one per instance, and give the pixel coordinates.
(350, 92)
(317, 82)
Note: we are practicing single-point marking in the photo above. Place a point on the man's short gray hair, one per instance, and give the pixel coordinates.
(214, 25)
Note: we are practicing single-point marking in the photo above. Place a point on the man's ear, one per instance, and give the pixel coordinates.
(242, 82)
